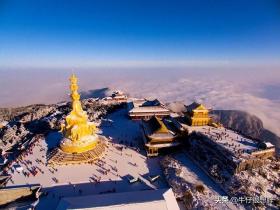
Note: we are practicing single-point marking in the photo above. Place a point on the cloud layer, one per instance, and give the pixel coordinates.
(226, 89)
(215, 93)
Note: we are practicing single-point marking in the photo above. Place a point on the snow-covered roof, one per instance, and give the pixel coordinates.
(146, 103)
(195, 106)
(137, 200)
(154, 102)
(149, 109)
(229, 140)
(10, 194)
(118, 92)
(268, 145)
(144, 106)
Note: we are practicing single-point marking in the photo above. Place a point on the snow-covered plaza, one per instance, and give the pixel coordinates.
(124, 159)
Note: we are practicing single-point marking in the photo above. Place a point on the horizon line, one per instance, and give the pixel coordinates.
(149, 64)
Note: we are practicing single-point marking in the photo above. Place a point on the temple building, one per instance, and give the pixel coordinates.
(161, 133)
(80, 143)
(145, 109)
(197, 114)
(220, 145)
(20, 197)
(118, 96)
(163, 199)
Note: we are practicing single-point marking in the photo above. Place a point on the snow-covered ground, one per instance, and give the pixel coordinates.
(124, 158)
(229, 139)
(184, 175)
(263, 182)
(108, 174)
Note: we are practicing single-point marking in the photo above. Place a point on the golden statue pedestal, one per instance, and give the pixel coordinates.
(86, 143)
(59, 157)
(80, 144)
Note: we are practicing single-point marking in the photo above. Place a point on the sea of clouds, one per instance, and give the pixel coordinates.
(214, 92)
(254, 90)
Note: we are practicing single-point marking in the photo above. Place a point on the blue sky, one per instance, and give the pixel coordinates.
(84, 33)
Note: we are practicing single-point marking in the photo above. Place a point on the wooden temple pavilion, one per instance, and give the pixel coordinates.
(145, 109)
(161, 133)
(197, 114)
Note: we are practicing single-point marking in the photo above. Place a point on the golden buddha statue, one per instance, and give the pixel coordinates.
(79, 134)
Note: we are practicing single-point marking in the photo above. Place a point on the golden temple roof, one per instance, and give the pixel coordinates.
(195, 106)
(157, 126)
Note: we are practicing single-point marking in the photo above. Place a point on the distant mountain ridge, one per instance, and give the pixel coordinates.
(241, 121)
(245, 123)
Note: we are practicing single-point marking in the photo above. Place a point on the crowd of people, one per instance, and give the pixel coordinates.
(17, 158)
(230, 141)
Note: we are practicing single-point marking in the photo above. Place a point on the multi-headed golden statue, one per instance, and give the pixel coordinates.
(80, 143)
(80, 135)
